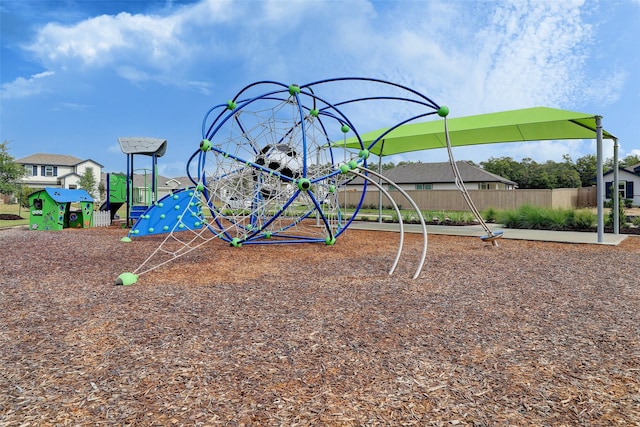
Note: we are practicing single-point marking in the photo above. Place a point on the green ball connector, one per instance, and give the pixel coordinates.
(267, 234)
(345, 128)
(344, 168)
(443, 111)
(205, 145)
(200, 186)
(235, 242)
(314, 112)
(151, 230)
(126, 279)
(231, 105)
(330, 240)
(364, 154)
(353, 164)
(294, 89)
(126, 239)
(332, 189)
(304, 184)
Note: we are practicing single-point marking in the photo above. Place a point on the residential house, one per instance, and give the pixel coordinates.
(57, 170)
(439, 176)
(628, 183)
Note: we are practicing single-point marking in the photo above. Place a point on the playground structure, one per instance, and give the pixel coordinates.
(141, 196)
(53, 209)
(141, 146)
(269, 169)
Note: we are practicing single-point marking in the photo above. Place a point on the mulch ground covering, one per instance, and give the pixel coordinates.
(527, 333)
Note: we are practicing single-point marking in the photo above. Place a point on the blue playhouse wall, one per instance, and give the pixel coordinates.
(178, 211)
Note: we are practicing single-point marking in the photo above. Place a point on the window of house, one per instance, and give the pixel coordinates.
(31, 170)
(424, 186)
(49, 170)
(488, 186)
(622, 188)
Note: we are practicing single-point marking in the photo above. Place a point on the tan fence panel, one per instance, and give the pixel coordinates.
(587, 197)
(452, 200)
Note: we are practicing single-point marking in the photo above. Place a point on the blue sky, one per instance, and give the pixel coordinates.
(77, 74)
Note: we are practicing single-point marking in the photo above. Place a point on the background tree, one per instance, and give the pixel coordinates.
(10, 171)
(505, 167)
(587, 167)
(102, 190)
(88, 182)
(23, 195)
(565, 174)
(630, 160)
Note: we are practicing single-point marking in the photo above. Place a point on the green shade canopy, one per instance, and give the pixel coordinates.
(529, 124)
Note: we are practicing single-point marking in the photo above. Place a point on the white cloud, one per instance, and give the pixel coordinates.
(22, 87)
(102, 40)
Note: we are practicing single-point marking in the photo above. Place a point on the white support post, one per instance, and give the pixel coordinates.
(599, 179)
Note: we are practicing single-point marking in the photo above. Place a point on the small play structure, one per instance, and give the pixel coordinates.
(58, 208)
(116, 193)
(155, 148)
(272, 163)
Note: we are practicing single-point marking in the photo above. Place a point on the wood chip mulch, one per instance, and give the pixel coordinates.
(527, 333)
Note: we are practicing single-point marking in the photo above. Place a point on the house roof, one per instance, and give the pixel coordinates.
(53, 159)
(634, 170)
(431, 173)
(50, 159)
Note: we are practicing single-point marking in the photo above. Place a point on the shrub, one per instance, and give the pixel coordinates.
(510, 218)
(489, 215)
(622, 217)
(407, 217)
(461, 217)
(584, 219)
(636, 221)
(536, 218)
(434, 216)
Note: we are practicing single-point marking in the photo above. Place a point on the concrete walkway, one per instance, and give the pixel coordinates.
(509, 233)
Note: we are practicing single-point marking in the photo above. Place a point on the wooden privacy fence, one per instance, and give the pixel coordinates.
(452, 200)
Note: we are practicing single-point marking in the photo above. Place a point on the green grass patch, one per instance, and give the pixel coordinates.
(14, 209)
